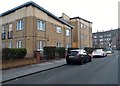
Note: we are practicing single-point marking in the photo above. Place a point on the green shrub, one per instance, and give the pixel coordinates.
(14, 53)
(50, 51)
(61, 51)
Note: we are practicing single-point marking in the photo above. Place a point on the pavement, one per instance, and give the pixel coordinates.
(14, 73)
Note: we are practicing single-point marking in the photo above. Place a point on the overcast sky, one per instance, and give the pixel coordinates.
(103, 13)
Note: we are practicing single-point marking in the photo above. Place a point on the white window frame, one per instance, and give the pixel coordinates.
(40, 45)
(3, 29)
(20, 25)
(19, 44)
(58, 29)
(10, 27)
(68, 45)
(10, 44)
(82, 25)
(59, 44)
(41, 25)
(68, 32)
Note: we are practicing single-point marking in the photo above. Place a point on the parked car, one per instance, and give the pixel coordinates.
(78, 56)
(108, 51)
(98, 53)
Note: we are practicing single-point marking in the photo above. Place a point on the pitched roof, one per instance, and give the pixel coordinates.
(37, 6)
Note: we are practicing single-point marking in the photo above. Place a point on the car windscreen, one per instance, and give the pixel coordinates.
(73, 53)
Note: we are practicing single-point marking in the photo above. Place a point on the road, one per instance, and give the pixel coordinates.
(99, 71)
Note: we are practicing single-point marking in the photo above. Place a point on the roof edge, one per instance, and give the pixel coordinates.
(37, 6)
(81, 18)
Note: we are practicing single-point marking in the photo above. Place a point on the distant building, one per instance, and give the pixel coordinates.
(106, 39)
(82, 32)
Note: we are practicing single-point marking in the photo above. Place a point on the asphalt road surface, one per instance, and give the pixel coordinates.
(99, 71)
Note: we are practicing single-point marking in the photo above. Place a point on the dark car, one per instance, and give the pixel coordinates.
(78, 56)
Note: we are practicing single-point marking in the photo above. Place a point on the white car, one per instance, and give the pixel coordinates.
(98, 53)
(108, 51)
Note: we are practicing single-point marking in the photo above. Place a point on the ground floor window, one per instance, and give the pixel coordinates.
(59, 44)
(40, 45)
(3, 45)
(10, 44)
(68, 45)
(19, 44)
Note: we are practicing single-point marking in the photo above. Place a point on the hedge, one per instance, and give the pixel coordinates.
(61, 51)
(51, 51)
(13, 53)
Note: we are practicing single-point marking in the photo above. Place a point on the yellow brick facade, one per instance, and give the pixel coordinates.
(30, 34)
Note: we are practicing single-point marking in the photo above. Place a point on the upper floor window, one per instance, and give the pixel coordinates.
(94, 36)
(3, 34)
(67, 32)
(108, 35)
(10, 32)
(41, 25)
(101, 36)
(85, 26)
(81, 25)
(58, 29)
(3, 29)
(20, 25)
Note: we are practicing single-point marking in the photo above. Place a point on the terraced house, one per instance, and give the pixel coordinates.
(32, 27)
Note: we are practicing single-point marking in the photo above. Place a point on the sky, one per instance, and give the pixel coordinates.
(103, 13)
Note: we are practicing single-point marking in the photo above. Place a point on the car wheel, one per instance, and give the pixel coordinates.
(81, 62)
(67, 62)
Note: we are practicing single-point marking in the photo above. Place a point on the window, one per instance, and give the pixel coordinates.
(94, 36)
(81, 25)
(101, 36)
(41, 25)
(109, 35)
(58, 29)
(3, 45)
(101, 40)
(59, 44)
(82, 36)
(68, 45)
(20, 25)
(85, 26)
(3, 34)
(19, 44)
(68, 32)
(10, 33)
(10, 44)
(40, 45)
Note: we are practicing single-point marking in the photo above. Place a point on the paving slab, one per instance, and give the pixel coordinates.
(14, 73)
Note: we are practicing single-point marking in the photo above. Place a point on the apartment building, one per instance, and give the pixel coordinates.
(106, 39)
(32, 27)
(82, 32)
